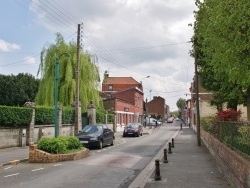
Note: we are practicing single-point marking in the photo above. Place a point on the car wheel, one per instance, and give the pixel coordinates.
(138, 134)
(113, 142)
(124, 135)
(100, 144)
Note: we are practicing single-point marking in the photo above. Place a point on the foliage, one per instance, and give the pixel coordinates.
(229, 115)
(181, 103)
(68, 115)
(244, 132)
(15, 116)
(207, 123)
(221, 49)
(16, 90)
(89, 76)
(61, 144)
(100, 116)
(44, 115)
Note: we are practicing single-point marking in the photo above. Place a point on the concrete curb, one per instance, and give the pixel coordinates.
(141, 180)
(14, 162)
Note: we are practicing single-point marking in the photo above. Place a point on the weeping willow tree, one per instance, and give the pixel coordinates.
(89, 76)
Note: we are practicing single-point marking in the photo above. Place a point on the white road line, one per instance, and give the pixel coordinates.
(11, 175)
(57, 165)
(8, 167)
(37, 169)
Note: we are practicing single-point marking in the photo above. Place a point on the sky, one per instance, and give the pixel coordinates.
(130, 38)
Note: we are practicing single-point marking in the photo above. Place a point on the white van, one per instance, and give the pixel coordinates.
(150, 121)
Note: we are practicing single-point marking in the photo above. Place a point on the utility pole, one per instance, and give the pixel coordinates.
(197, 102)
(77, 77)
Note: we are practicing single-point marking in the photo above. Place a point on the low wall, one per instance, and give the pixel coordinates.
(39, 156)
(235, 167)
(15, 137)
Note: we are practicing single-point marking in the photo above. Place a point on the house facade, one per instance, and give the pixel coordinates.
(158, 107)
(124, 96)
(205, 108)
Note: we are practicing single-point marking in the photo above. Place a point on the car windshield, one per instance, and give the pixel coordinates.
(132, 126)
(92, 129)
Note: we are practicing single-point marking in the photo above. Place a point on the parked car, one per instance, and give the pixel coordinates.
(151, 121)
(177, 119)
(96, 136)
(170, 120)
(133, 129)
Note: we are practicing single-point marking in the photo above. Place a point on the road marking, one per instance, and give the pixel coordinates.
(8, 167)
(57, 165)
(37, 169)
(11, 175)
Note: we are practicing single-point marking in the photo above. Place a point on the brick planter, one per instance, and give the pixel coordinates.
(39, 156)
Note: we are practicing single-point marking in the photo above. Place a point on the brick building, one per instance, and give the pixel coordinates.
(158, 107)
(124, 96)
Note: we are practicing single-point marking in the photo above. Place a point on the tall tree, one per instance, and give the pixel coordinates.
(89, 75)
(181, 103)
(16, 90)
(222, 49)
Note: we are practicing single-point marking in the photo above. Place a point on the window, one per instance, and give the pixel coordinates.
(110, 87)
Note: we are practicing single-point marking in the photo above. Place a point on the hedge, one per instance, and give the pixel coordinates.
(15, 116)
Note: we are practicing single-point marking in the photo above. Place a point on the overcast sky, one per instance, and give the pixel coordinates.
(130, 38)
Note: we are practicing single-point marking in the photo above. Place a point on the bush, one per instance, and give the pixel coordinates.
(207, 123)
(61, 144)
(15, 116)
(44, 116)
(229, 115)
(68, 115)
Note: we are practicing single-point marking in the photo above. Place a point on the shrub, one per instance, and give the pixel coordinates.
(244, 132)
(207, 123)
(73, 143)
(15, 116)
(68, 115)
(44, 116)
(61, 144)
(229, 115)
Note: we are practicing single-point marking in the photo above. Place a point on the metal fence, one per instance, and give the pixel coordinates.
(235, 134)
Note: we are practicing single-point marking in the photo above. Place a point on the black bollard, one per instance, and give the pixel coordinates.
(157, 170)
(165, 159)
(169, 148)
(172, 142)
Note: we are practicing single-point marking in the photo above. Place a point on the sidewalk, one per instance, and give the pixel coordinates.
(189, 166)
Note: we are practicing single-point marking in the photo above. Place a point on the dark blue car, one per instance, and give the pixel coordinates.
(96, 136)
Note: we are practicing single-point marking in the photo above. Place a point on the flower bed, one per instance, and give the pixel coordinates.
(39, 156)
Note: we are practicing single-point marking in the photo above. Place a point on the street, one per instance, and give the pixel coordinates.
(113, 166)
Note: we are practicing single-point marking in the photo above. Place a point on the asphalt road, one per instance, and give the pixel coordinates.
(112, 167)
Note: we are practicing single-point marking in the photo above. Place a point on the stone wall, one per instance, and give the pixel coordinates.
(14, 137)
(235, 166)
(39, 156)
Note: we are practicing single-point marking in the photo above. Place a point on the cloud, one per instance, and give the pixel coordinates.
(131, 38)
(8, 47)
(30, 60)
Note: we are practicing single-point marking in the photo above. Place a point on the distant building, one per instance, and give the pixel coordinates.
(158, 107)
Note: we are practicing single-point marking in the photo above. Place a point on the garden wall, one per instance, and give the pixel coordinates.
(236, 167)
(13, 137)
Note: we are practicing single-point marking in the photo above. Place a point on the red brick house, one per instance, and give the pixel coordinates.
(124, 96)
(158, 107)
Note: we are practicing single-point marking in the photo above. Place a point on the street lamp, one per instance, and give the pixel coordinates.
(144, 78)
(56, 91)
(150, 94)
